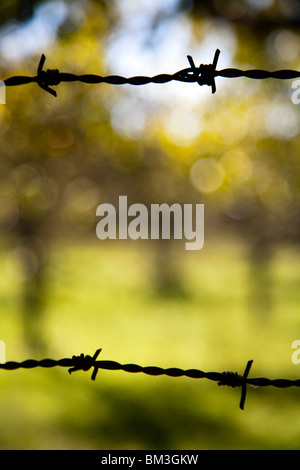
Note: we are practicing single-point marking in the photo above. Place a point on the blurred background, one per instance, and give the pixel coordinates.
(64, 292)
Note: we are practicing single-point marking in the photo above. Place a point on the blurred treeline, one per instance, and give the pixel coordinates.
(236, 151)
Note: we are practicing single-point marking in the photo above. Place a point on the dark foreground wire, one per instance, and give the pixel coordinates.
(203, 75)
(86, 362)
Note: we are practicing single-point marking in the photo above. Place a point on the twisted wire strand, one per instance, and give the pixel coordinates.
(86, 362)
(203, 75)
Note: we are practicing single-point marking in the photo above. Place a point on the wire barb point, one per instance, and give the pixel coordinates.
(83, 362)
(205, 73)
(48, 78)
(233, 379)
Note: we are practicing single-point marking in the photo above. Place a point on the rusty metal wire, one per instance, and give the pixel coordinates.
(203, 75)
(86, 362)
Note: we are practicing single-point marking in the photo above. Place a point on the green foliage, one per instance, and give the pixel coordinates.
(102, 297)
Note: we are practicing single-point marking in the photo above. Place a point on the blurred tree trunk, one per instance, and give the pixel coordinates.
(260, 277)
(32, 256)
(32, 307)
(168, 278)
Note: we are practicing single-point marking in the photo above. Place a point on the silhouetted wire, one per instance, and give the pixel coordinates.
(203, 75)
(86, 362)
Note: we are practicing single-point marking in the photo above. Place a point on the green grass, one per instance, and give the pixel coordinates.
(105, 298)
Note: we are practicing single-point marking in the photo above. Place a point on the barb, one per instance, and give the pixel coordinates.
(86, 362)
(203, 75)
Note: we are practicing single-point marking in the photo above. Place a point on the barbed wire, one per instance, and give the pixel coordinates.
(203, 75)
(86, 362)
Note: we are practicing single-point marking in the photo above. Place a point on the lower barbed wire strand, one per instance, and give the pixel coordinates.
(154, 371)
(86, 362)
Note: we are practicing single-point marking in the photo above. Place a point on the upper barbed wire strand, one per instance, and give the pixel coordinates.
(203, 75)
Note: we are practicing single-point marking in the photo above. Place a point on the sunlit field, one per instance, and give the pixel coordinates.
(105, 297)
